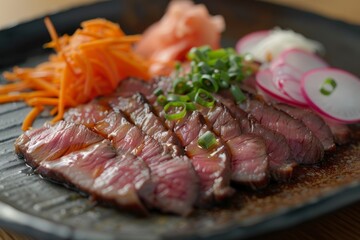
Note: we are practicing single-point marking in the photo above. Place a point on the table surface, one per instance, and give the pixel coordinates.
(343, 224)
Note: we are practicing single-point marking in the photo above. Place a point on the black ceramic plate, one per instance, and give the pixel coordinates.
(38, 208)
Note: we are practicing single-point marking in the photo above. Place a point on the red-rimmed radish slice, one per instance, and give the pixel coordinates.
(265, 83)
(301, 60)
(249, 41)
(282, 71)
(333, 93)
(292, 88)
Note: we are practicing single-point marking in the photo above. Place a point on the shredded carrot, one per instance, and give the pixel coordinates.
(29, 119)
(53, 111)
(38, 101)
(87, 64)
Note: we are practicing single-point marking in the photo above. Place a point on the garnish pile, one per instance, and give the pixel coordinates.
(87, 64)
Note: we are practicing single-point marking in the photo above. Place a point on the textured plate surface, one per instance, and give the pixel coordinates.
(45, 210)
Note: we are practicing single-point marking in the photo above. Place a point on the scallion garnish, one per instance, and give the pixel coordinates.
(158, 92)
(207, 140)
(171, 97)
(175, 110)
(162, 100)
(204, 98)
(328, 86)
(209, 83)
(237, 94)
(190, 106)
(210, 71)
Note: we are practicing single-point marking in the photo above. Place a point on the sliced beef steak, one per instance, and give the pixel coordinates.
(51, 142)
(73, 154)
(87, 114)
(132, 86)
(142, 115)
(315, 123)
(305, 147)
(278, 150)
(176, 183)
(341, 132)
(249, 159)
(122, 180)
(212, 165)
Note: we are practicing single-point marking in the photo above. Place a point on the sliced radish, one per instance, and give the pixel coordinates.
(301, 60)
(282, 71)
(288, 69)
(341, 102)
(249, 41)
(265, 83)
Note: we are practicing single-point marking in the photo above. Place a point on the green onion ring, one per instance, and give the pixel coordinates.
(158, 92)
(177, 98)
(161, 99)
(204, 98)
(190, 106)
(209, 83)
(328, 86)
(179, 114)
(237, 94)
(207, 140)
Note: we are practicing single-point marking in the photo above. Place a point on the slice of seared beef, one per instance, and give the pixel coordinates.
(249, 159)
(87, 114)
(132, 86)
(122, 180)
(73, 154)
(142, 115)
(212, 165)
(278, 150)
(305, 147)
(315, 123)
(176, 183)
(51, 142)
(341, 132)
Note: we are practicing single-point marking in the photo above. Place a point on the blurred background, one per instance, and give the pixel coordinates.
(13, 12)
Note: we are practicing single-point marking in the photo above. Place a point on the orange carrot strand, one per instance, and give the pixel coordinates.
(29, 119)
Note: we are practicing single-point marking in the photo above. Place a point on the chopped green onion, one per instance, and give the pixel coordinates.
(207, 140)
(204, 67)
(177, 98)
(210, 70)
(190, 106)
(209, 83)
(175, 110)
(237, 94)
(328, 86)
(219, 53)
(192, 94)
(224, 84)
(180, 86)
(204, 98)
(158, 92)
(161, 99)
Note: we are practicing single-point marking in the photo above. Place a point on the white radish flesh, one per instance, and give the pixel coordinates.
(301, 60)
(343, 101)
